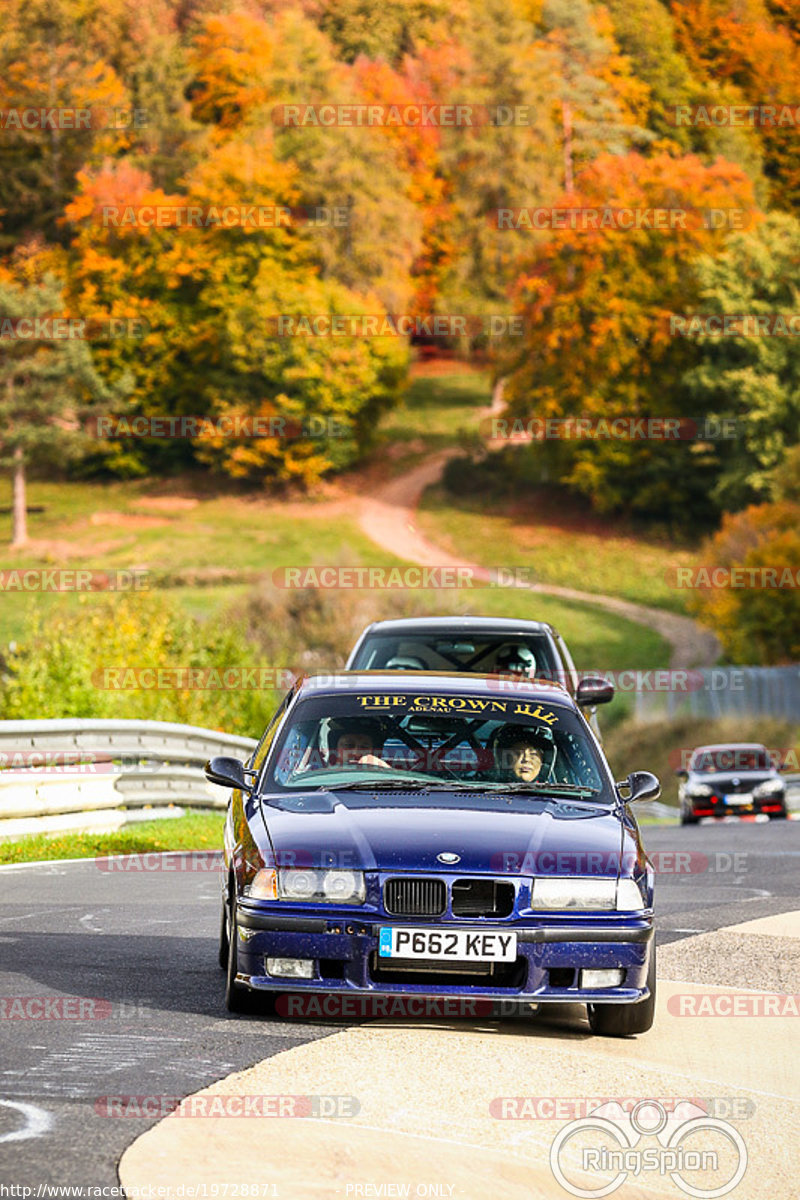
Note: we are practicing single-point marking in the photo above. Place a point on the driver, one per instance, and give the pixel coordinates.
(515, 660)
(523, 754)
(357, 742)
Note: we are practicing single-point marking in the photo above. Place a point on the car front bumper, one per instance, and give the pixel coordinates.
(550, 955)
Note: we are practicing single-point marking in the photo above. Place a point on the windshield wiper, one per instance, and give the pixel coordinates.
(543, 789)
(378, 785)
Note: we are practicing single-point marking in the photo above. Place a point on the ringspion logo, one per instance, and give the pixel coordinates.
(692, 1148)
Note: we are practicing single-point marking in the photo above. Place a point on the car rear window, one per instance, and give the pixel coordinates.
(730, 758)
(462, 652)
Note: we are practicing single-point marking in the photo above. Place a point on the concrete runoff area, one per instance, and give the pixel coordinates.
(464, 1109)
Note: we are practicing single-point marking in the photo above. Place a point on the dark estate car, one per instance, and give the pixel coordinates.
(730, 779)
(488, 645)
(440, 835)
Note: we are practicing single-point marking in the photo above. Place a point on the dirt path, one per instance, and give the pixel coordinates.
(388, 518)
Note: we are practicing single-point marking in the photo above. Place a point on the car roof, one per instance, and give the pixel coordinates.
(446, 682)
(728, 746)
(461, 624)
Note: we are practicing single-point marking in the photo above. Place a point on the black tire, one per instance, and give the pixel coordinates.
(222, 956)
(688, 820)
(622, 1020)
(238, 999)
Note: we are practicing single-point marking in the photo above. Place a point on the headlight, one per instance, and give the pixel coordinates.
(297, 885)
(584, 894)
(629, 898)
(342, 885)
(770, 787)
(698, 789)
(263, 885)
(329, 887)
(587, 895)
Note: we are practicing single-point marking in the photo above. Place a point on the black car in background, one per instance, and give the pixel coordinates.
(483, 645)
(730, 780)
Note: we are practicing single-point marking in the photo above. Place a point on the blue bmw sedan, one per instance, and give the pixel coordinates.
(436, 835)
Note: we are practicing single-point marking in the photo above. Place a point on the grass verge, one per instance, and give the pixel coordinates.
(589, 555)
(196, 830)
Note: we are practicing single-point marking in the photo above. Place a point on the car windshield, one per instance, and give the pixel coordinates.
(530, 655)
(386, 740)
(730, 758)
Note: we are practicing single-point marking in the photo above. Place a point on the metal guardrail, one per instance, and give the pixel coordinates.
(82, 774)
(728, 692)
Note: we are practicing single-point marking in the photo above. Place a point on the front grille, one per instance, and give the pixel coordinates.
(482, 898)
(729, 787)
(415, 897)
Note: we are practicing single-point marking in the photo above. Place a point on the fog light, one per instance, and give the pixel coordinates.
(602, 979)
(291, 968)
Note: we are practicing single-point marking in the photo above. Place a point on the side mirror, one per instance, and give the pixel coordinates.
(594, 690)
(642, 785)
(227, 772)
(682, 773)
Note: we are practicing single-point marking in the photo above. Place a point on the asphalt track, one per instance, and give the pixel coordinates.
(142, 944)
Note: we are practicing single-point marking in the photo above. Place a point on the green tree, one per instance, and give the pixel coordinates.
(754, 379)
(45, 382)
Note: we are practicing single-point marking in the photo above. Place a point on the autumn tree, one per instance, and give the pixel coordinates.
(596, 306)
(757, 622)
(740, 44)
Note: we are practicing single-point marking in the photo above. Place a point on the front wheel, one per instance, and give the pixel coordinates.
(238, 999)
(620, 1020)
(222, 954)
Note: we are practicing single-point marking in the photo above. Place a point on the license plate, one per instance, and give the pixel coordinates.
(458, 945)
(742, 798)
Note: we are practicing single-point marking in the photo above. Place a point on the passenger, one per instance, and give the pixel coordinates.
(523, 755)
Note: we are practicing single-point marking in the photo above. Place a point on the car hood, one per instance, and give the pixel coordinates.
(490, 835)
